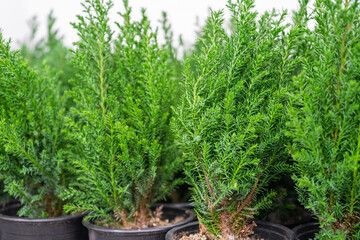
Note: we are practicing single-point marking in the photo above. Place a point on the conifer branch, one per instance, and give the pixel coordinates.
(354, 180)
(28, 156)
(102, 97)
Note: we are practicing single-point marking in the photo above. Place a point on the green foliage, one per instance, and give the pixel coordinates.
(230, 124)
(32, 164)
(4, 196)
(122, 146)
(51, 50)
(325, 120)
(169, 45)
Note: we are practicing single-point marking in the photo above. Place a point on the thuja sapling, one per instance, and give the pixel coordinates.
(32, 164)
(325, 120)
(123, 148)
(230, 123)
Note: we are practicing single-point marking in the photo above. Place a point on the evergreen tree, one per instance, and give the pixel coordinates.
(32, 164)
(325, 120)
(122, 148)
(230, 124)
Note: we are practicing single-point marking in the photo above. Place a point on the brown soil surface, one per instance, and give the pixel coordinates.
(200, 236)
(155, 220)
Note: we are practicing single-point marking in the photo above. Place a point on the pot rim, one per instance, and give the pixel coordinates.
(305, 225)
(37, 220)
(259, 223)
(187, 220)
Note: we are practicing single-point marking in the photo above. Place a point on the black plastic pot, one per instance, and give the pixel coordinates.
(306, 231)
(186, 205)
(13, 227)
(264, 230)
(156, 233)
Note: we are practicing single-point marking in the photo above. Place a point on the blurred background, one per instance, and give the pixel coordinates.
(185, 16)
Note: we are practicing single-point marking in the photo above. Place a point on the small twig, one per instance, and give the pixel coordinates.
(247, 200)
(207, 181)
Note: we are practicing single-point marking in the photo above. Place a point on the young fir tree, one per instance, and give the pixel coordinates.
(123, 147)
(230, 124)
(325, 120)
(32, 164)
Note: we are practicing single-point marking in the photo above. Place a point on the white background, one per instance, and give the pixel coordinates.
(183, 15)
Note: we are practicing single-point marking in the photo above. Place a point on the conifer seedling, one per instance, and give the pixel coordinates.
(230, 123)
(33, 165)
(123, 151)
(325, 120)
